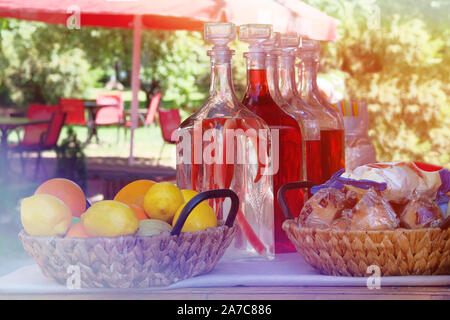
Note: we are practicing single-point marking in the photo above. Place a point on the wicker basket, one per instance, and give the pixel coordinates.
(397, 252)
(136, 262)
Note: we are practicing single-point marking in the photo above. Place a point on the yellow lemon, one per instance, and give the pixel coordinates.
(45, 215)
(109, 218)
(202, 217)
(188, 194)
(162, 201)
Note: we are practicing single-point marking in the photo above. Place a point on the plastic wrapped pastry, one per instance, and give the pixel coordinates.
(421, 213)
(343, 223)
(403, 179)
(322, 208)
(373, 212)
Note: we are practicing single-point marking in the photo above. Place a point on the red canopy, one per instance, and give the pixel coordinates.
(285, 15)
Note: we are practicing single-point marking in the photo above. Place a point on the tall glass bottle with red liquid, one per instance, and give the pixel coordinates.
(225, 145)
(287, 45)
(330, 120)
(284, 128)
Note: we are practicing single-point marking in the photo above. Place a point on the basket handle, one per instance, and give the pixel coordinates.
(210, 194)
(290, 186)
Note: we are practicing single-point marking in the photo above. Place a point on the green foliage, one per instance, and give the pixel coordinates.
(400, 66)
(177, 61)
(36, 68)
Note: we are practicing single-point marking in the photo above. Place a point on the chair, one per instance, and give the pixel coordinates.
(47, 139)
(74, 108)
(112, 112)
(37, 111)
(169, 120)
(151, 112)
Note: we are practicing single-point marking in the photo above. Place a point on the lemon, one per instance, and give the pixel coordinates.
(202, 217)
(45, 215)
(188, 194)
(162, 201)
(109, 218)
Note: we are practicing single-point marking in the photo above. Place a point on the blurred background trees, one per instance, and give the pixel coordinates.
(392, 54)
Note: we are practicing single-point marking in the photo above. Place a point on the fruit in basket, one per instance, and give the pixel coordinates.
(152, 227)
(202, 217)
(188, 194)
(45, 215)
(109, 218)
(67, 191)
(134, 192)
(139, 212)
(162, 201)
(77, 231)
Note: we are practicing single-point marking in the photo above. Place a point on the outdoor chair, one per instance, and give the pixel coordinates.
(74, 108)
(169, 121)
(112, 112)
(38, 140)
(36, 111)
(151, 113)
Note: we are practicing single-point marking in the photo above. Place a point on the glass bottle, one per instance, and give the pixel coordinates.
(285, 130)
(330, 120)
(286, 72)
(225, 145)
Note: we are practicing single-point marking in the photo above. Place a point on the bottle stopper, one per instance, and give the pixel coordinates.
(255, 35)
(219, 34)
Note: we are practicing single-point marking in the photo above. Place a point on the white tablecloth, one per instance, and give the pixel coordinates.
(286, 270)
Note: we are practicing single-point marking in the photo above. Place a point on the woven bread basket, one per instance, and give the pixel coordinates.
(136, 262)
(398, 252)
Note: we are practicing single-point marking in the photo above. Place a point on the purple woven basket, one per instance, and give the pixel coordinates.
(136, 262)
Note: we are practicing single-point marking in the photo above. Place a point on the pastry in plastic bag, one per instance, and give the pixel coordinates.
(421, 213)
(373, 212)
(403, 179)
(343, 223)
(322, 208)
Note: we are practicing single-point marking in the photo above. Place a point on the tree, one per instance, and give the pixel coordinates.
(400, 66)
(35, 66)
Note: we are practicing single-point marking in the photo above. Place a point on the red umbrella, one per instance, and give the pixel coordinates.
(285, 15)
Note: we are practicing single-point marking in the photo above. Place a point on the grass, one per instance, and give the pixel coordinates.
(148, 143)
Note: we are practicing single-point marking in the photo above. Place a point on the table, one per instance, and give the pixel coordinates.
(141, 115)
(6, 126)
(93, 107)
(288, 276)
(257, 293)
(13, 111)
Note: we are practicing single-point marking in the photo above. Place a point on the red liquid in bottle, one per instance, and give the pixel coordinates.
(314, 161)
(333, 153)
(257, 98)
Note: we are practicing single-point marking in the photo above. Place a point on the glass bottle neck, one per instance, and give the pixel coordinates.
(221, 76)
(308, 76)
(286, 74)
(257, 83)
(272, 78)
